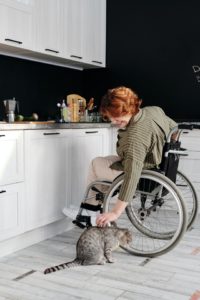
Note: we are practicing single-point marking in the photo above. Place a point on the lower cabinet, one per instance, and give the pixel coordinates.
(113, 138)
(11, 183)
(55, 165)
(11, 210)
(86, 145)
(47, 171)
(190, 164)
(11, 157)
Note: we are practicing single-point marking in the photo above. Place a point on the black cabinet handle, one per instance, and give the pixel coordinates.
(76, 56)
(3, 191)
(51, 50)
(97, 62)
(88, 132)
(2, 135)
(51, 133)
(13, 41)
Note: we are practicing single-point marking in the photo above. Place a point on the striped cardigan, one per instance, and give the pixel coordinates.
(140, 146)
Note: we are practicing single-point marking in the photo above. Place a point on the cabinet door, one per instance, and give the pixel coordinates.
(16, 23)
(73, 24)
(95, 31)
(190, 164)
(47, 175)
(48, 27)
(86, 145)
(11, 210)
(11, 157)
(114, 133)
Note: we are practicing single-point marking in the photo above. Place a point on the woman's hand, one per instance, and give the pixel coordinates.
(103, 219)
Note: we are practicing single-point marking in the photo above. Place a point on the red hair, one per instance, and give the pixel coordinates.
(119, 102)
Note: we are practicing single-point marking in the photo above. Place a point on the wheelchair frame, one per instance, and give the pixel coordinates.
(164, 188)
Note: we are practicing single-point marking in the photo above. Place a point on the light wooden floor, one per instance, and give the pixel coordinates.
(173, 276)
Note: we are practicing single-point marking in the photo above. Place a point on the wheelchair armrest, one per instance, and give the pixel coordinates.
(180, 152)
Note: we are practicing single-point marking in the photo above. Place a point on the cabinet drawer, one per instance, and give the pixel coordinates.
(11, 157)
(11, 210)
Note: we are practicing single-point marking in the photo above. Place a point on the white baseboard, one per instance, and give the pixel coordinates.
(34, 236)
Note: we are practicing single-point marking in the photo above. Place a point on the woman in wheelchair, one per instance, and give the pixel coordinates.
(141, 136)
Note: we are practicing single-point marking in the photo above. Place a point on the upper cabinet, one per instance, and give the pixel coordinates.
(16, 23)
(95, 31)
(48, 27)
(73, 29)
(84, 31)
(63, 32)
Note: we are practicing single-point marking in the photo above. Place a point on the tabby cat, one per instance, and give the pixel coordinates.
(95, 247)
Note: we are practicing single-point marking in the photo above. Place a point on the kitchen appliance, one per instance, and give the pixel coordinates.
(10, 106)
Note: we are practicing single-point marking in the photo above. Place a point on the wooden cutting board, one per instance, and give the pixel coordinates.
(75, 97)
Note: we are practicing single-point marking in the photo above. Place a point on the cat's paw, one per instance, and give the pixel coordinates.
(102, 262)
(111, 260)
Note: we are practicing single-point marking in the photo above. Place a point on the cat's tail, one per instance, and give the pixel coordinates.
(74, 263)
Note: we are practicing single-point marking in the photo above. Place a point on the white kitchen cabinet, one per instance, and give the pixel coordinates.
(11, 210)
(69, 33)
(48, 178)
(86, 145)
(11, 183)
(84, 31)
(11, 157)
(95, 31)
(113, 139)
(73, 29)
(190, 164)
(48, 27)
(16, 23)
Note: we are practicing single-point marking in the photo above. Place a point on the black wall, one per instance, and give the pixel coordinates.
(151, 47)
(38, 87)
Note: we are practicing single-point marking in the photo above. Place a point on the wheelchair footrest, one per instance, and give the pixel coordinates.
(91, 207)
(80, 225)
(85, 219)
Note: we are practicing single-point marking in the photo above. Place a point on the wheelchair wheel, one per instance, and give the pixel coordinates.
(189, 195)
(156, 216)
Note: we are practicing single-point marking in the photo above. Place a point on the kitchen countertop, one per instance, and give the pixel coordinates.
(51, 125)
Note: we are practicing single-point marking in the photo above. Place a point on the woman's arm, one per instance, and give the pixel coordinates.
(103, 219)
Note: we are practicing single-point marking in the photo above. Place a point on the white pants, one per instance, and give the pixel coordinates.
(100, 169)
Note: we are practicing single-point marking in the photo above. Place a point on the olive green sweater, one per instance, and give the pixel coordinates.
(140, 146)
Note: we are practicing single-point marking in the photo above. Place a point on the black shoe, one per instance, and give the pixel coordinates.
(82, 219)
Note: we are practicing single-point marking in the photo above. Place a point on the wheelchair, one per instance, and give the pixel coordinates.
(164, 206)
